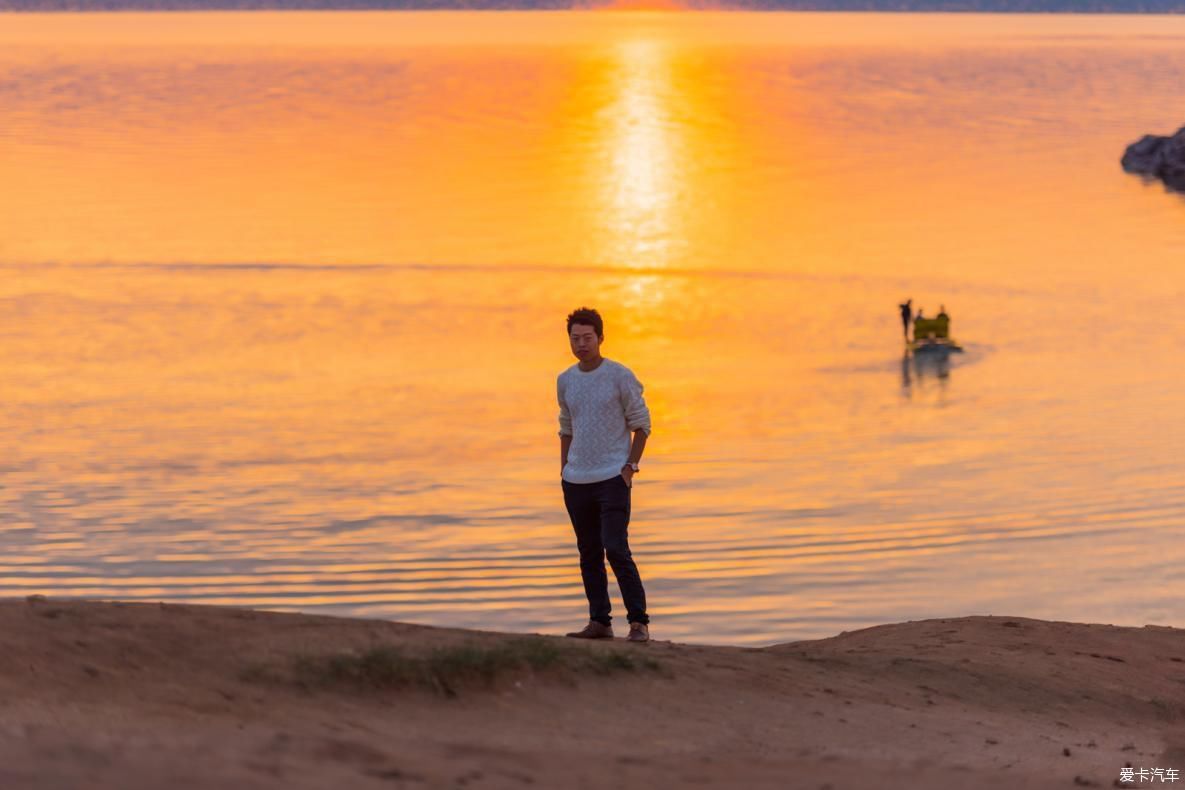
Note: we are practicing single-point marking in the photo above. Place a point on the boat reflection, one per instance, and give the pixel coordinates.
(916, 369)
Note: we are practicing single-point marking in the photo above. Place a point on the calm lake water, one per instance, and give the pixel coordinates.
(283, 304)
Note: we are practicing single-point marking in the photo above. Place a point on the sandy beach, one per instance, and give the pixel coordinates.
(131, 696)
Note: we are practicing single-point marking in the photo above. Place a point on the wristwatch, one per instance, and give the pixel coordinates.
(633, 466)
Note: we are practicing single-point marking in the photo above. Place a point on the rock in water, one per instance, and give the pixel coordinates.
(1158, 157)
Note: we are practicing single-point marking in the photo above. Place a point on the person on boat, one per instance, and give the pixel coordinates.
(943, 322)
(906, 316)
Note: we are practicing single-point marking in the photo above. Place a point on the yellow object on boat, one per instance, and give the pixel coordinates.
(932, 334)
(931, 327)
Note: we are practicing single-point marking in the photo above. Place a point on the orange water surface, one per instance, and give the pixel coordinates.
(284, 297)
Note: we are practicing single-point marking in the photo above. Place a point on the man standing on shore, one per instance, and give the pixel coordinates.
(600, 404)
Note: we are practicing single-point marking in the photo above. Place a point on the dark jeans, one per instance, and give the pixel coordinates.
(600, 514)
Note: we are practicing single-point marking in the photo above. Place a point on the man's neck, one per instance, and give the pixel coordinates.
(591, 364)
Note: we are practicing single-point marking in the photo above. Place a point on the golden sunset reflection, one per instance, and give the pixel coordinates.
(641, 139)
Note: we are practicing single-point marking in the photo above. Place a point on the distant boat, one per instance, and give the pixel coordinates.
(932, 336)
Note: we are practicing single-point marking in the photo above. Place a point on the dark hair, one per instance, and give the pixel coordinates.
(588, 317)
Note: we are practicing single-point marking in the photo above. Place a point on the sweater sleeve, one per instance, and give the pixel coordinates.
(637, 415)
(565, 416)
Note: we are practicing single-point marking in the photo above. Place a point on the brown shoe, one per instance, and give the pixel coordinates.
(639, 632)
(593, 630)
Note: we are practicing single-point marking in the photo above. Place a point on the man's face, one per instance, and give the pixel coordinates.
(585, 343)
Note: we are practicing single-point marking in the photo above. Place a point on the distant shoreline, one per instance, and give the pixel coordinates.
(1066, 7)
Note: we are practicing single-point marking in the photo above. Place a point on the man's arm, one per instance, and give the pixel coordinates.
(565, 445)
(565, 423)
(638, 447)
(636, 450)
(637, 419)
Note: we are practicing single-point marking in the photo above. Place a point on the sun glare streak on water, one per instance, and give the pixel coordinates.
(644, 155)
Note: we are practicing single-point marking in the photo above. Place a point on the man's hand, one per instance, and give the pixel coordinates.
(627, 474)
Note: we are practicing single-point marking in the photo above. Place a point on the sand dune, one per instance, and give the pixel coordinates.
(139, 696)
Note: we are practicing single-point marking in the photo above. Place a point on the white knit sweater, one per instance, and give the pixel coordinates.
(599, 409)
